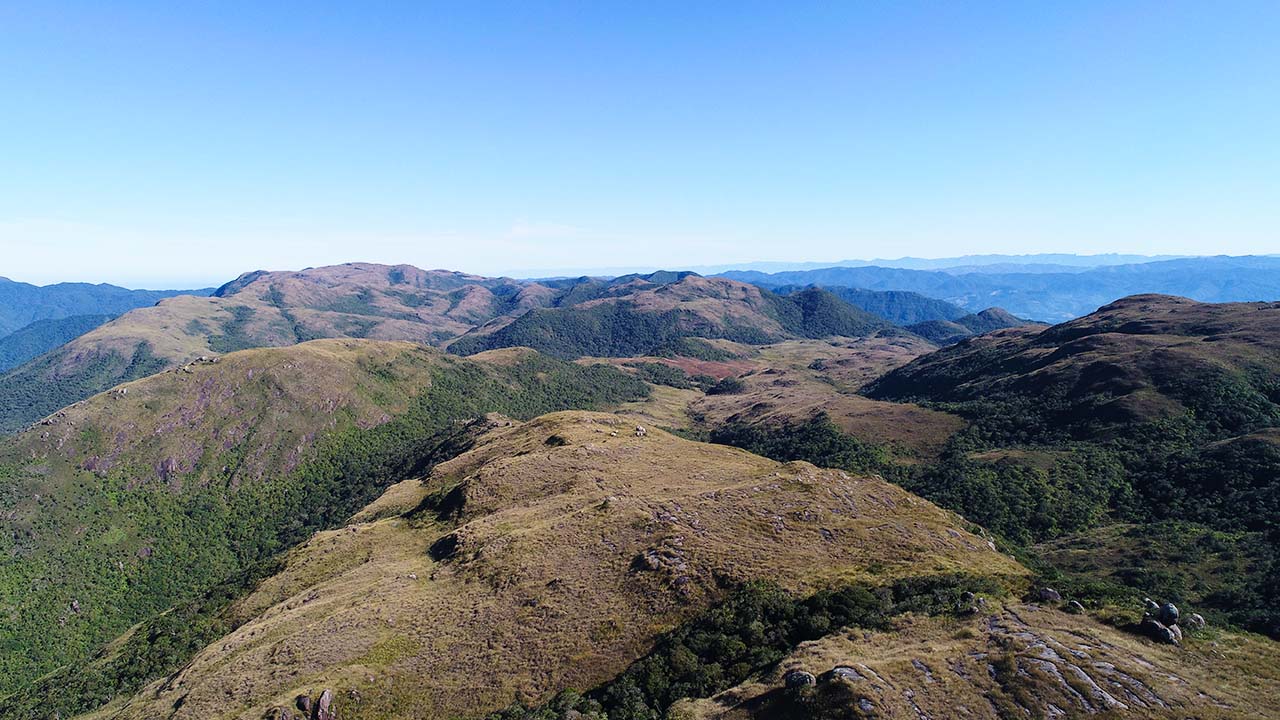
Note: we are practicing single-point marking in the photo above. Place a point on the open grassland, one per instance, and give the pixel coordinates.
(548, 556)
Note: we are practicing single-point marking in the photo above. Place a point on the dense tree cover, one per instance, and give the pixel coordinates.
(671, 376)
(22, 304)
(1017, 472)
(36, 389)
(235, 334)
(622, 329)
(42, 336)
(208, 532)
(816, 440)
(755, 627)
(817, 313)
(900, 307)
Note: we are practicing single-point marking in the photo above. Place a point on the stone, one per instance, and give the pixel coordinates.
(1160, 632)
(1195, 621)
(842, 672)
(1075, 608)
(1168, 614)
(324, 710)
(304, 703)
(640, 431)
(1152, 606)
(1048, 594)
(799, 679)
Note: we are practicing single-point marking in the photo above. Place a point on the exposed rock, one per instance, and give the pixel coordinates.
(1152, 606)
(323, 706)
(1075, 608)
(304, 703)
(1160, 632)
(1049, 595)
(1168, 614)
(640, 431)
(1195, 621)
(842, 672)
(799, 679)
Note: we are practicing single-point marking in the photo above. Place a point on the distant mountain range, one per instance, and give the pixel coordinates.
(1054, 296)
(964, 263)
(22, 303)
(663, 313)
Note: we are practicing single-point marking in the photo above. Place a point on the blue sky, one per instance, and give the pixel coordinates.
(182, 143)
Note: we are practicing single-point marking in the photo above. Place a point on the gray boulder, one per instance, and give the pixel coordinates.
(799, 679)
(1049, 595)
(1075, 608)
(1195, 621)
(1168, 614)
(1160, 632)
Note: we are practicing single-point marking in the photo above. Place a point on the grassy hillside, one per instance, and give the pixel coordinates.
(640, 317)
(137, 499)
(261, 309)
(1150, 411)
(551, 555)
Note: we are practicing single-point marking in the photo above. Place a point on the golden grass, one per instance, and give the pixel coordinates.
(543, 591)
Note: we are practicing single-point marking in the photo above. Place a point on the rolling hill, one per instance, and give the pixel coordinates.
(632, 315)
(641, 316)
(138, 499)
(22, 303)
(900, 307)
(552, 555)
(949, 332)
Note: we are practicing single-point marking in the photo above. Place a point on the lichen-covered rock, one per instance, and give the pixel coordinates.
(324, 710)
(799, 679)
(1049, 595)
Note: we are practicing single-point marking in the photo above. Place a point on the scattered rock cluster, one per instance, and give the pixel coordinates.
(306, 709)
(1160, 622)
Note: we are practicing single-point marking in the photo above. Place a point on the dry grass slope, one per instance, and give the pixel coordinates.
(550, 555)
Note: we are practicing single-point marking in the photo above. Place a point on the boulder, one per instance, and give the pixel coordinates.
(799, 679)
(1049, 595)
(1160, 632)
(1168, 614)
(324, 709)
(304, 703)
(1195, 621)
(842, 672)
(1075, 608)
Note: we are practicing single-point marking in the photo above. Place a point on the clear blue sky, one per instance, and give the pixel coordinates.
(184, 142)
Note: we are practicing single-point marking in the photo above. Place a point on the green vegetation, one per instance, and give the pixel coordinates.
(758, 625)
(211, 531)
(42, 336)
(624, 329)
(816, 440)
(671, 376)
(38, 388)
(234, 331)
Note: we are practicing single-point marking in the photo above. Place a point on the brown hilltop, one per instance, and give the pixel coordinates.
(1142, 357)
(550, 555)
